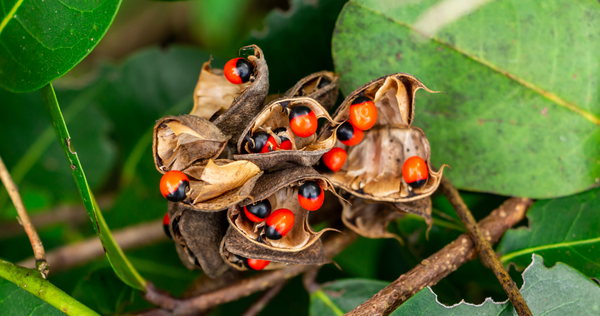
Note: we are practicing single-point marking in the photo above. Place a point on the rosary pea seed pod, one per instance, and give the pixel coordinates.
(274, 119)
(179, 141)
(373, 167)
(236, 249)
(280, 188)
(322, 86)
(198, 237)
(219, 184)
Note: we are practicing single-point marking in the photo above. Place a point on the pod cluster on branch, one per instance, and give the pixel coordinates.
(248, 175)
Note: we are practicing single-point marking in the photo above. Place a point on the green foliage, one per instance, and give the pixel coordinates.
(115, 255)
(340, 297)
(520, 115)
(560, 290)
(25, 292)
(42, 40)
(561, 230)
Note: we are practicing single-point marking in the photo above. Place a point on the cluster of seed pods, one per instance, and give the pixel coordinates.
(243, 171)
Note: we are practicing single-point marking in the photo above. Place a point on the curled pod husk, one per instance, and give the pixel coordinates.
(198, 237)
(370, 218)
(305, 151)
(373, 168)
(179, 141)
(219, 184)
(234, 247)
(322, 86)
(281, 189)
(251, 100)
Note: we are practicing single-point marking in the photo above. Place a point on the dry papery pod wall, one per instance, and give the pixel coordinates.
(322, 86)
(280, 189)
(373, 168)
(274, 120)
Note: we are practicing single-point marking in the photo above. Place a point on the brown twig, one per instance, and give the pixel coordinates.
(84, 251)
(205, 284)
(34, 239)
(484, 248)
(448, 259)
(309, 280)
(244, 287)
(264, 299)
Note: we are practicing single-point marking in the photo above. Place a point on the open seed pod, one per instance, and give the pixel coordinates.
(234, 247)
(219, 184)
(322, 86)
(305, 151)
(370, 219)
(281, 189)
(373, 168)
(250, 101)
(198, 237)
(179, 141)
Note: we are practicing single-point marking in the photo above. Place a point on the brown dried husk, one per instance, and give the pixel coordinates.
(306, 151)
(308, 87)
(373, 169)
(370, 218)
(219, 184)
(214, 94)
(281, 189)
(179, 141)
(234, 246)
(198, 237)
(250, 102)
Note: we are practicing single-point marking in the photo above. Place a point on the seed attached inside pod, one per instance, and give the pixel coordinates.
(279, 224)
(349, 135)
(334, 159)
(284, 142)
(323, 83)
(258, 211)
(238, 70)
(303, 121)
(257, 264)
(363, 113)
(173, 185)
(263, 143)
(311, 196)
(166, 226)
(415, 172)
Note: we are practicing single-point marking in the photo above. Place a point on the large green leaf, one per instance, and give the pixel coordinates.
(565, 230)
(42, 40)
(339, 297)
(24, 292)
(522, 77)
(115, 255)
(297, 43)
(560, 290)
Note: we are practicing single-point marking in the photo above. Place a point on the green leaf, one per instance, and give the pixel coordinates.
(42, 40)
(24, 292)
(521, 116)
(298, 42)
(560, 290)
(339, 297)
(115, 255)
(564, 230)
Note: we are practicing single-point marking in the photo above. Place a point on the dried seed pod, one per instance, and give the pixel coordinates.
(198, 237)
(179, 141)
(305, 151)
(370, 218)
(214, 94)
(235, 246)
(373, 169)
(281, 189)
(251, 100)
(219, 184)
(322, 86)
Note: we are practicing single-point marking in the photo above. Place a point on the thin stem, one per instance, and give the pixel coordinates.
(34, 239)
(433, 269)
(484, 248)
(264, 299)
